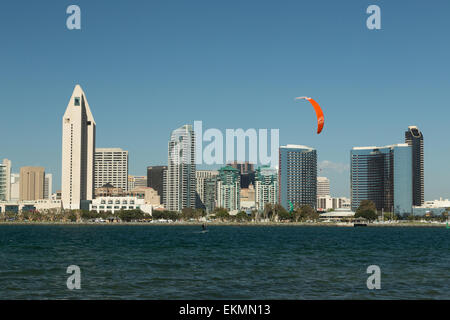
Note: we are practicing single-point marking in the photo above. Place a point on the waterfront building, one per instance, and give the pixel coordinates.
(323, 186)
(206, 189)
(414, 138)
(434, 207)
(155, 179)
(116, 204)
(297, 176)
(31, 183)
(78, 151)
(228, 188)
(48, 185)
(41, 205)
(382, 175)
(337, 215)
(266, 181)
(180, 179)
(111, 166)
(5, 180)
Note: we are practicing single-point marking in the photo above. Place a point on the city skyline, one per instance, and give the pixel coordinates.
(372, 86)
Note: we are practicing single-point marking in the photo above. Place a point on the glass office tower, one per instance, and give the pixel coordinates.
(383, 175)
(297, 176)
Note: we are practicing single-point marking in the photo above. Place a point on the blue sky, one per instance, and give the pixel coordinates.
(147, 67)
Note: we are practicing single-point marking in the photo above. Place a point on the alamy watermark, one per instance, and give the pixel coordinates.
(251, 145)
(374, 280)
(74, 20)
(373, 22)
(74, 281)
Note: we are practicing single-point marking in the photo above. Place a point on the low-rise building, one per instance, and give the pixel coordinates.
(41, 205)
(433, 207)
(115, 204)
(325, 203)
(338, 214)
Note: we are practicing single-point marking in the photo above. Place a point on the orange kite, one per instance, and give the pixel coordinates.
(319, 113)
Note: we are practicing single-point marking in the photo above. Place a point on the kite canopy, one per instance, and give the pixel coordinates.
(319, 113)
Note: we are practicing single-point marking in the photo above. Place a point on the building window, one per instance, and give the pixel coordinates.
(77, 101)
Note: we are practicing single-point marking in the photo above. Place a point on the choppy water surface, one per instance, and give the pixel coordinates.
(228, 262)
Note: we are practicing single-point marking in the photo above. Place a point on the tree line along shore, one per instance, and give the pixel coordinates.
(272, 214)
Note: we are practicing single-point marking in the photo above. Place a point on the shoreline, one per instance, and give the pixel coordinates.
(216, 223)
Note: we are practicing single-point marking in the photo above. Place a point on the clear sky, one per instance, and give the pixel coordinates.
(147, 67)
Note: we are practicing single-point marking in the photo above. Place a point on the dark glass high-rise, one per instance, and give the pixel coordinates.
(414, 138)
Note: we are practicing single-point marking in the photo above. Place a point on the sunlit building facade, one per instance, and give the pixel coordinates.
(382, 175)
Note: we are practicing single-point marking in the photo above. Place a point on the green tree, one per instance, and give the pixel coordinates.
(366, 210)
(242, 216)
(130, 215)
(221, 213)
(72, 216)
(187, 213)
(305, 212)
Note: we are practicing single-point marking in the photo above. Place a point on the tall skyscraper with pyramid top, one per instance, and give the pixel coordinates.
(78, 151)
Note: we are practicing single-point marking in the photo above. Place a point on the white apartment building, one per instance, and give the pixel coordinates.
(5, 180)
(266, 183)
(229, 189)
(15, 184)
(111, 166)
(180, 181)
(48, 185)
(323, 186)
(78, 151)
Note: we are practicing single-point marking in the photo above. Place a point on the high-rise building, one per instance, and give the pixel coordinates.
(210, 194)
(229, 188)
(246, 170)
(155, 179)
(15, 186)
(5, 180)
(204, 184)
(48, 186)
(31, 183)
(180, 182)
(111, 166)
(78, 151)
(323, 186)
(382, 175)
(414, 138)
(136, 182)
(297, 176)
(266, 186)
